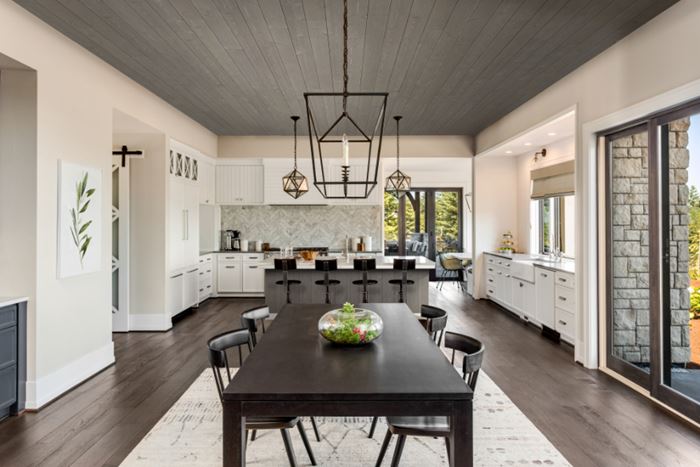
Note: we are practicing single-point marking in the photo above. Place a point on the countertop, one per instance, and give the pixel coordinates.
(7, 301)
(564, 265)
(383, 262)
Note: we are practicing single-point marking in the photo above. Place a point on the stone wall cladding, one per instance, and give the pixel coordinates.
(630, 224)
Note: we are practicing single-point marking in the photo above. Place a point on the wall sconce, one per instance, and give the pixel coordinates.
(542, 154)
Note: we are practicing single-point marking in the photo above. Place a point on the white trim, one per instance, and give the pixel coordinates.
(587, 351)
(51, 386)
(149, 322)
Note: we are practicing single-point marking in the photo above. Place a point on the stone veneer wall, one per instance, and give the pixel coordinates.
(299, 226)
(630, 218)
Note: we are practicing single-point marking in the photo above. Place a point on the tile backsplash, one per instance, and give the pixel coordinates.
(322, 226)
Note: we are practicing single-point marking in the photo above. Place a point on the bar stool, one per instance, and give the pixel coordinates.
(364, 265)
(285, 265)
(404, 265)
(325, 266)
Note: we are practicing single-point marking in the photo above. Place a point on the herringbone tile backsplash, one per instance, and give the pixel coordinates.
(322, 226)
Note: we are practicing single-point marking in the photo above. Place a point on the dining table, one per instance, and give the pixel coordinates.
(294, 371)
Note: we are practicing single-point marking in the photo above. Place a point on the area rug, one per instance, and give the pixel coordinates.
(190, 434)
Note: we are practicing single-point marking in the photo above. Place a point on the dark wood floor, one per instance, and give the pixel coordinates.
(592, 419)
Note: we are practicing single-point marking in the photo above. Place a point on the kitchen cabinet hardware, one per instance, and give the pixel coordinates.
(563, 299)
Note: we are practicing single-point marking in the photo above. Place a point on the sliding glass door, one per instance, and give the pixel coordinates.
(653, 256)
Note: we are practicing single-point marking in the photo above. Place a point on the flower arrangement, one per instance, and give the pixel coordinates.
(350, 325)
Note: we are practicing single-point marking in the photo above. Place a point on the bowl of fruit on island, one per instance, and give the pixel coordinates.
(350, 325)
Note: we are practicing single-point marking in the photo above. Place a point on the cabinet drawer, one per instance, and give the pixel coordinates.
(564, 279)
(8, 316)
(566, 324)
(491, 281)
(8, 346)
(207, 259)
(229, 258)
(564, 298)
(490, 260)
(252, 257)
(8, 386)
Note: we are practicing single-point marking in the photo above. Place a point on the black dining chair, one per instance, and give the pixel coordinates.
(364, 265)
(218, 359)
(326, 266)
(434, 320)
(285, 265)
(250, 320)
(404, 265)
(435, 426)
(437, 322)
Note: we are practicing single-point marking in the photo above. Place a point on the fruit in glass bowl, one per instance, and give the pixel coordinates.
(350, 325)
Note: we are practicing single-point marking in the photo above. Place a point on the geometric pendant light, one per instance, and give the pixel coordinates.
(295, 183)
(398, 183)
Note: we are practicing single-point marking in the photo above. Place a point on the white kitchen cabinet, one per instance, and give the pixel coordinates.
(524, 301)
(239, 184)
(565, 306)
(206, 182)
(230, 277)
(206, 277)
(190, 288)
(174, 301)
(544, 289)
(253, 278)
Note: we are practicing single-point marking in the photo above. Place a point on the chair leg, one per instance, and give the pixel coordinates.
(398, 451)
(313, 425)
(373, 427)
(401, 293)
(328, 295)
(289, 297)
(385, 446)
(288, 447)
(252, 435)
(365, 295)
(305, 440)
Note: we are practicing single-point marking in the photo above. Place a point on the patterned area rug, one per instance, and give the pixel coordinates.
(190, 434)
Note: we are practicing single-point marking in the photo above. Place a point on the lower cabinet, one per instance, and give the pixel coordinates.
(230, 277)
(544, 290)
(524, 300)
(183, 290)
(175, 296)
(253, 278)
(241, 273)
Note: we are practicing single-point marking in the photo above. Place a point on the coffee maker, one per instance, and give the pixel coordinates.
(231, 240)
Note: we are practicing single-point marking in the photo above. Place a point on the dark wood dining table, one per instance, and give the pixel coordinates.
(294, 371)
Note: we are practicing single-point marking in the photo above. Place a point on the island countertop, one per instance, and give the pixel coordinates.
(383, 262)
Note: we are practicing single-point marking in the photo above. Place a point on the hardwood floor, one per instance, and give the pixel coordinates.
(591, 418)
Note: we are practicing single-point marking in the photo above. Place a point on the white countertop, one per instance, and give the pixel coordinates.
(383, 262)
(7, 301)
(540, 261)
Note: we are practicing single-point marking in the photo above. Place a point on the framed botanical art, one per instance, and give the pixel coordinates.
(79, 219)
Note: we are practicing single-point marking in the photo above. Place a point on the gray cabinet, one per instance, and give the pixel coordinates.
(13, 373)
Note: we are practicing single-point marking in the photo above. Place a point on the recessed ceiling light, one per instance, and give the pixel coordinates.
(509, 152)
(528, 144)
(551, 133)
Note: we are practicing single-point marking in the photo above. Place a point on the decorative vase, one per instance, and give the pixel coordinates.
(350, 325)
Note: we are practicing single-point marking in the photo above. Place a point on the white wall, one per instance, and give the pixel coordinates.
(660, 57)
(495, 209)
(18, 234)
(77, 93)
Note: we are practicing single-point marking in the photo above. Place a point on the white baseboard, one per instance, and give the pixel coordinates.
(49, 387)
(150, 322)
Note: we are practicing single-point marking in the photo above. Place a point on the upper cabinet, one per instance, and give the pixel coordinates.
(207, 194)
(239, 184)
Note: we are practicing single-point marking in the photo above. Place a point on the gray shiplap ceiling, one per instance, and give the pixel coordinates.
(241, 67)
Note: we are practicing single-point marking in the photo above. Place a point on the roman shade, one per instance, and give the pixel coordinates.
(554, 180)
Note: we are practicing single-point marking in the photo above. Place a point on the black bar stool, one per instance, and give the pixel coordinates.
(285, 265)
(404, 265)
(364, 265)
(325, 266)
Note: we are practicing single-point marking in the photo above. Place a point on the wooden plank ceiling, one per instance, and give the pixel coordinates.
(450, 66)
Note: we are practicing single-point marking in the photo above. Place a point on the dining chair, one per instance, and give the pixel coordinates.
(435, 426)
(404, 265)
(451, 268)
(285, 265)
(437, 322)
(249, 320)
(218, 359)
(364, 265)
(434, 320)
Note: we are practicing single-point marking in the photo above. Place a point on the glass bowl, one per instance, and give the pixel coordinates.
(351, 326)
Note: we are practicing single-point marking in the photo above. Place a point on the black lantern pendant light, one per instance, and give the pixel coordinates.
(345, 150)
(398, 183)
(295, 183)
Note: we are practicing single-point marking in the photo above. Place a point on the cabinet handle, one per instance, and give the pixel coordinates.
(194, 270)
(176, 276)
(490, 269)
(208, 270)
(201, 290)
(490, 280)
(543, 274)
(230, 257)
(252, 257)
(209, 287)
(563, 323)
(507, 275)
(490, 291)
(563, 299)
(521, 284)
(561, 279)
(230, 267)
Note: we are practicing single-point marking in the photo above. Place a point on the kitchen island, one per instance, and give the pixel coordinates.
(308, 292)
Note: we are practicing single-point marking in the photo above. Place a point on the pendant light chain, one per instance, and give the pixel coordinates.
(397, 143)
(295, 141)
(345, 56)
